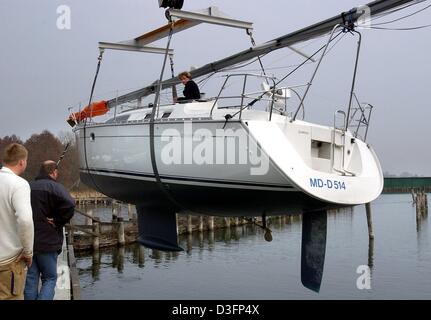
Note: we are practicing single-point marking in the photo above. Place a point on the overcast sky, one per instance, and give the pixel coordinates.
(44, 70)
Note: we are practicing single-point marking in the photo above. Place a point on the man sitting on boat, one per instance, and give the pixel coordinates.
(191, 89)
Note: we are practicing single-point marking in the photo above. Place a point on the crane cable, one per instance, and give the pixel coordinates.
(86, 119)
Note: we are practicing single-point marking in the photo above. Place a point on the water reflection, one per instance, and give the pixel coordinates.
(313, 245)
(196, 242)
(422, 229)
(118, 258)
(156, 255)
(421, 219)
(138, 256)
(313, 248)
(96, 264)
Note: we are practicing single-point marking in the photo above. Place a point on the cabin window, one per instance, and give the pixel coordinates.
(123, 118)
(147, 116)
(166, 115)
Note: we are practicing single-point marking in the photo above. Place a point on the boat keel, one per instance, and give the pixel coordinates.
(313, 247)
(158, 228)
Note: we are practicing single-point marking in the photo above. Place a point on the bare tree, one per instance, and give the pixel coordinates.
(46, 146)
(41, 147)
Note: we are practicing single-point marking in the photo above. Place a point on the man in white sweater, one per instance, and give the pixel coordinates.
(16, 223)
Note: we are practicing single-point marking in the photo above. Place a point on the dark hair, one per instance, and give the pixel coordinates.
(47, 167)
(13, 153)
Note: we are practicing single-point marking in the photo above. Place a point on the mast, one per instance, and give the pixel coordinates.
(305, 34)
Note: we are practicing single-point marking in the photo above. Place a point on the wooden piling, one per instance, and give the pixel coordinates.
(114, 212)
(289, 219)
(227, 234)
(369, 220)
(227, 222)
(70, 235)
(129, 212)
(96, 239)
(95, 269)
(201, 223)
(189, 242)
(89, 218)
(189, 224)
(141, 259)
(211, 223)
(201, 239)
(120, 232)
(418, 205)
(120, 261)
(211, 237)
(421, 202)
(424, 203)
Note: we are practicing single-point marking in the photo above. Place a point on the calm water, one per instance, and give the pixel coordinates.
(239, 264)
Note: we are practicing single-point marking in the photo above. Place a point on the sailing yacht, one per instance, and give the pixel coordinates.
(220, 155)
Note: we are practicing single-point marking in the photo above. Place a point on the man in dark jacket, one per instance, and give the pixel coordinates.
(53, 207)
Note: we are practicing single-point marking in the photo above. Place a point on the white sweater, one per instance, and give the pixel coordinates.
(16, 217)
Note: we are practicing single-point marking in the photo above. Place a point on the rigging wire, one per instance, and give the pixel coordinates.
(294, 65)
(276, 68)
(285, 77)
(204, 81)
(400, 29)
(311, 42)
(384, 14)
(104, 94)
(259, 58)
(243, 65)
(404, 17)
(329, 50)
(305, 61)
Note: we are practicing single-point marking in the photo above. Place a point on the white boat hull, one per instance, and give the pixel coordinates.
(211, 166)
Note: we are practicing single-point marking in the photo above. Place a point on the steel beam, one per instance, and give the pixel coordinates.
(188, 20)
(133, 47)
(213, 18)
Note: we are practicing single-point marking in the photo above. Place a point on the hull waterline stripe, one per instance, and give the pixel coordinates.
(224, 182)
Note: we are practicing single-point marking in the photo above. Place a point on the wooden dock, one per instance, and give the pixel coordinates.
(96, 234)
(90, 197)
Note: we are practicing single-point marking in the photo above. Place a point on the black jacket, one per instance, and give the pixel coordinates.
(49, 199)
(191, 91)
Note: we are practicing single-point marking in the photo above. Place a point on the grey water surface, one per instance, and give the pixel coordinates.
(237, 263)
